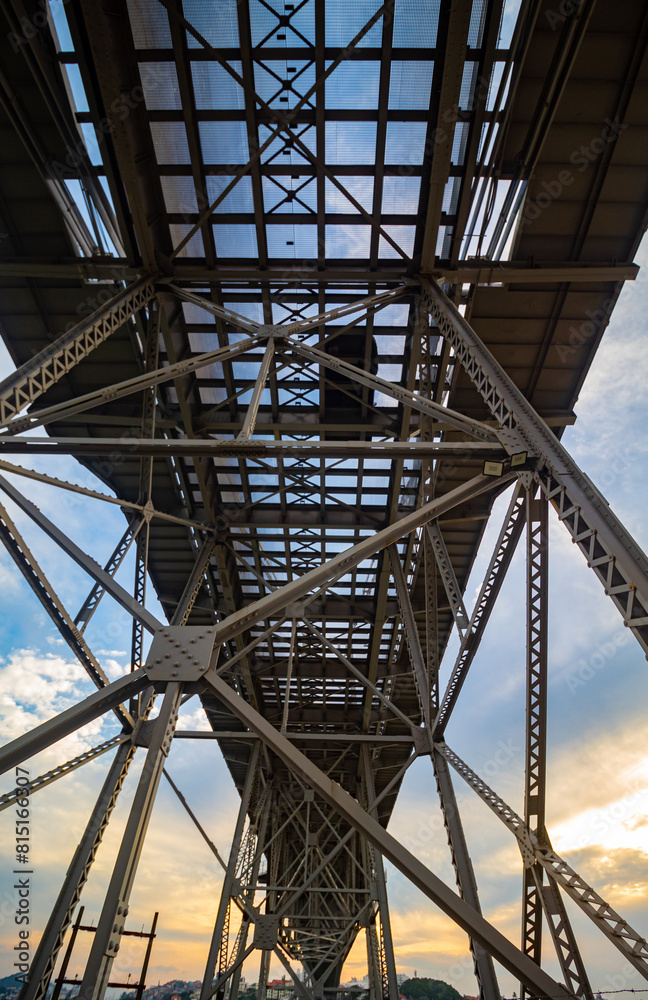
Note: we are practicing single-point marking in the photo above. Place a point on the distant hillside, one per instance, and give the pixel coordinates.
(175, 986)
(8, 983)
(428, 989)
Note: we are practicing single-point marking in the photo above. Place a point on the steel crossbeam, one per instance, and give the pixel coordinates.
(110, 393)
(36, 376)
(451, 586)
(110, 927)
(611, 552)
(51, 942)
(569, 956)
(33, 574)
(402, 395)
(189, 447)
(493, 579)
(464, 873)
(43, 780)
(616, 929)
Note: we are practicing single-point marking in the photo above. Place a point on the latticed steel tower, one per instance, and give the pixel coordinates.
(348, 267)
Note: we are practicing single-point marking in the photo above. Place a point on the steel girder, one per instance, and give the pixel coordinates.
(611, 552)
(35, 377)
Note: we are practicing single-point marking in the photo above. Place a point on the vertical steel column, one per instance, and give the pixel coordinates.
(111, 922)
(465, 875)
(248, 883)
(536, 714)
(571, 963)
(68, 955)
(230, 875)
(264, 968)
(91, 602)
(381, 887)
(373, 961)
(410, 628)
(147, 957)
(147, 430)
(50, 944)
(426, 388)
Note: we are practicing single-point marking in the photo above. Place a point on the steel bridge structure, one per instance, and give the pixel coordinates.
(308, 286)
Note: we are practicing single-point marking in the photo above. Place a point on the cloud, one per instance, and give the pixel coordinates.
(619, 875)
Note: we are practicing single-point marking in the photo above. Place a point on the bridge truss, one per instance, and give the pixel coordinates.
(333, 291)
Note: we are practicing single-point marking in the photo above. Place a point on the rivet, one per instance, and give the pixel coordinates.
(196, 662)
(174, 673)
(177, 645)
(166, 635)
(114, 928)
(116, 948)
(184, 650)
(158, 660)
(167, 656)
(209, 631)
(192, 640)
(177, 663)
(201, 636)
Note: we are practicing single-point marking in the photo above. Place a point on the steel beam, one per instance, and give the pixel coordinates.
(50, 944)
(464, 873)
(43, 780)
(227, 889)
(73, 718)
(83, 560)
(410, 629)
(42, 588)
(253, 408)
(402, 395)
(569, 957)
(331, 570)
(447, 574)
(187, 447)
(36, 376)
(110, 926)
(392, 991)
(115, 560)
(616, 929)
(617, 560)
(537, 614)
(478, 272)
(110, 393)
(499, 563)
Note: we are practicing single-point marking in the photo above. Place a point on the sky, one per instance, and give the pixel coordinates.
(597, 810)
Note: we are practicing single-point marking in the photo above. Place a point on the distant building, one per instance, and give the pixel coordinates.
(278, 988)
